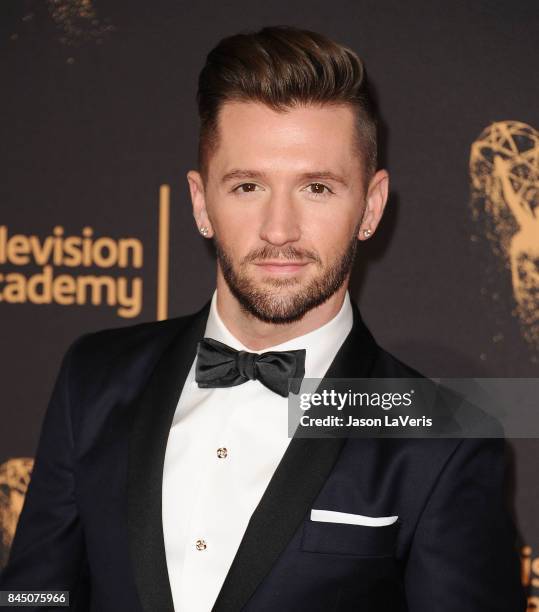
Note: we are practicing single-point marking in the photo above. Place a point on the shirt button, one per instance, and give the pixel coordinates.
(222, 452)
(201, 545)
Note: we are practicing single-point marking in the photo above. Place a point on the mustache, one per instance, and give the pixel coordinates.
(288, 253)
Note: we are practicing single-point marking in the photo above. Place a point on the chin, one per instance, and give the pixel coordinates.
(286, 283)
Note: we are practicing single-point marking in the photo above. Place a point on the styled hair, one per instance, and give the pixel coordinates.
(283, 67)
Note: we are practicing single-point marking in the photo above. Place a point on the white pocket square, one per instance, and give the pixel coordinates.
(331, 516)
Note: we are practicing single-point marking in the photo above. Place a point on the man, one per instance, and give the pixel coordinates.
(165, 479)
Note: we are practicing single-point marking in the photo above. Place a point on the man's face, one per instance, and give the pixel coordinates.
(284, 200)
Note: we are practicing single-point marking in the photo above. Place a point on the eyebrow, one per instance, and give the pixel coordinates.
(255, 174)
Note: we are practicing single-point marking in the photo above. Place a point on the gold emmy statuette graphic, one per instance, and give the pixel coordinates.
(78, 21)
(14, 480)
(504, 173)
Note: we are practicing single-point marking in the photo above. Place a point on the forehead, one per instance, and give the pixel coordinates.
(252, 132)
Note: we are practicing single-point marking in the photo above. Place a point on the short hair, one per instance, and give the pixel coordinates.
(282, 67)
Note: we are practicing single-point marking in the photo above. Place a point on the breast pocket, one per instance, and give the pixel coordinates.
(348, 539)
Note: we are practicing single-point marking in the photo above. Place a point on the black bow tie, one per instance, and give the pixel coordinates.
(219, 365)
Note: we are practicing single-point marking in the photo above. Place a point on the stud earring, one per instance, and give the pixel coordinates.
(204, 230)
(367, 232)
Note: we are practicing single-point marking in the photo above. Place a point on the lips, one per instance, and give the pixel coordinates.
(281, 267)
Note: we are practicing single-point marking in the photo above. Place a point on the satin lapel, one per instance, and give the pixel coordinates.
(300, 475)
(153, 412)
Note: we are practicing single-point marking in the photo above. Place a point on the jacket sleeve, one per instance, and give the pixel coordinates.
(463, 555)
(48, 551)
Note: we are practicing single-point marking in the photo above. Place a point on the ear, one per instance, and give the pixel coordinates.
(198, 199)
(375, 203)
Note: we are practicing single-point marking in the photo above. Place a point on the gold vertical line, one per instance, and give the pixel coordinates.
(162, 262)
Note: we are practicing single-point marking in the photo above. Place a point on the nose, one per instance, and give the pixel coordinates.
(280, 223)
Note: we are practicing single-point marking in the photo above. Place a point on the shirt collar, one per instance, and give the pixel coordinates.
(321, 344)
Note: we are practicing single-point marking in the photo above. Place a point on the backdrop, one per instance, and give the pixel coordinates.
(99, 127)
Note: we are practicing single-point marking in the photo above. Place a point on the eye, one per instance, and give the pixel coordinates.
(245, 188)
(319, 189)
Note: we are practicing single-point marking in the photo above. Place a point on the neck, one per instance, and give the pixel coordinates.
(258, 335)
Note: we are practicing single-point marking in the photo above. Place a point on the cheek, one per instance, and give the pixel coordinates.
(232, 219)
(236, 236)
(329, 235)
(230, 230)
(238, 230)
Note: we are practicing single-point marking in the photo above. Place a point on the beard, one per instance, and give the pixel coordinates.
(265, 301)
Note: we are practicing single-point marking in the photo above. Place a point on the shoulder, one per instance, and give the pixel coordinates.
(461, 423)
(118, 360)
(112, 342)
(109, 345)
(387, 365)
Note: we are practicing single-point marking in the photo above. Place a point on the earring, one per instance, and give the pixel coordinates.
(367, 232)
(204, 230)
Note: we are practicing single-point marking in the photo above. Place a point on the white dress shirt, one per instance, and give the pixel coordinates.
(223, 447)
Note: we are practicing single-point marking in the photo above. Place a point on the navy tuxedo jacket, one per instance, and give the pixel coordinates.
(91, 521)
